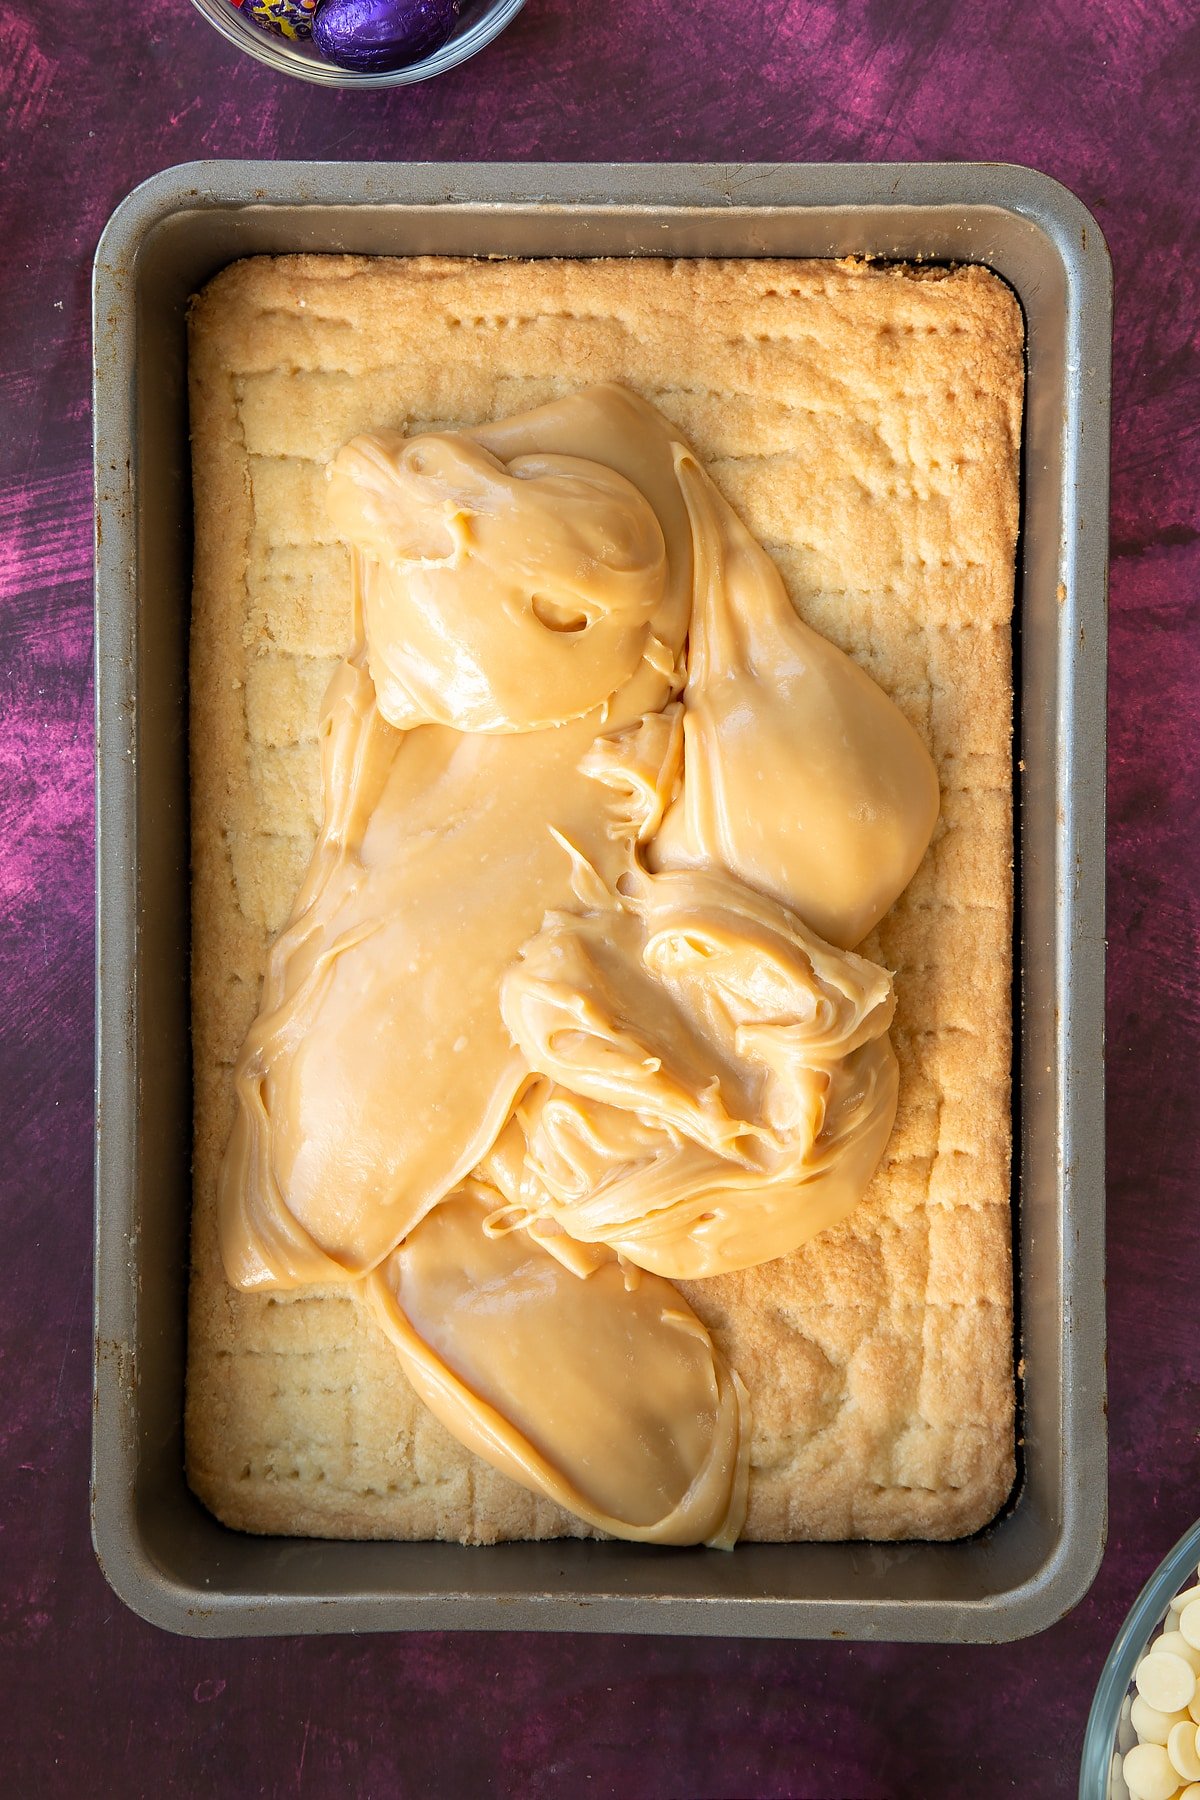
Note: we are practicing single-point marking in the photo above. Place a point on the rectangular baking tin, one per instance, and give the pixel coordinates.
(160, 1549)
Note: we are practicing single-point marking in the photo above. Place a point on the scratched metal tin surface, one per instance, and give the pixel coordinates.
(161, 1551)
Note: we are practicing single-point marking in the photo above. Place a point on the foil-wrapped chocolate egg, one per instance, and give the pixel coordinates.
(286, 18)
(381, 34)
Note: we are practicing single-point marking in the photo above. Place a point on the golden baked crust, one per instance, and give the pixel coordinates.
(865, 422)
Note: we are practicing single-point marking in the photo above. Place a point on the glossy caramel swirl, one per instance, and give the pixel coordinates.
(559, 1001)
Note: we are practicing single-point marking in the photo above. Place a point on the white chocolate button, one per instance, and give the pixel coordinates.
(1178, 1645)
(1152, 1726)
(1189, 1623)
(1184, 1599)
(1166, 1681)
(1191, 1792)
(1150, 1773)
(1194, 1707)
(1182, 1750)
(1126, 1737)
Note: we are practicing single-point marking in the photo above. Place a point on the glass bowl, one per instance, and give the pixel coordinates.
(1109, 1732)
(482, 21)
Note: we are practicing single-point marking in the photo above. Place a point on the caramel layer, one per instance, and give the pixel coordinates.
(568, 936)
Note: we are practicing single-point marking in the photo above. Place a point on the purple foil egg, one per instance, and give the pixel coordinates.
(372, 35)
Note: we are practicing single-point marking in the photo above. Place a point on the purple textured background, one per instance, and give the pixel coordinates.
(92, 100)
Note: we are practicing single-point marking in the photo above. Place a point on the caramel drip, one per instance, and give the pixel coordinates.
(610, 1400)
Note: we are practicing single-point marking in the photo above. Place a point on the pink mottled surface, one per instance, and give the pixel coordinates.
(93, 99)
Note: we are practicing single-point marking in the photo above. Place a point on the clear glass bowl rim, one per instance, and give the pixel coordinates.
(1100, 1737)
(279, 54)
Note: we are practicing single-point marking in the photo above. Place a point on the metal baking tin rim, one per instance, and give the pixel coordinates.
(127, 1484)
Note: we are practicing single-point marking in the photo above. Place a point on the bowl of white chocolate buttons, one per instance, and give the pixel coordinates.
(1143, 1733)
